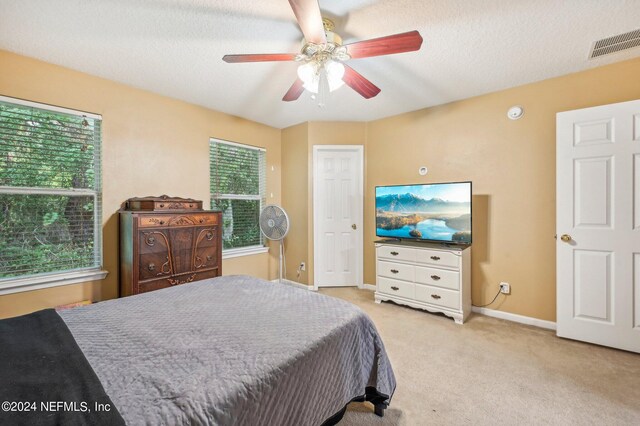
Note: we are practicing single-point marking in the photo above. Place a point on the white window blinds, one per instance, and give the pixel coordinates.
(238, 190)
(50, 200)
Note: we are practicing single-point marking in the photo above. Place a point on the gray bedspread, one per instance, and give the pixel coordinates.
(233, 350)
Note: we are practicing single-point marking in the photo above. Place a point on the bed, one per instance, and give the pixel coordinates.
(232, 350)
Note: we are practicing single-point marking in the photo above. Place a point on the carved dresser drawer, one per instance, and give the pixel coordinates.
(166, 246)
(151, 285)
(164, 220)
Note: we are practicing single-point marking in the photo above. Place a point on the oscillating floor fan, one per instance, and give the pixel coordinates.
(274, 224)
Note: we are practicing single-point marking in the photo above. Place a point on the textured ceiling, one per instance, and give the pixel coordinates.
(174, 47)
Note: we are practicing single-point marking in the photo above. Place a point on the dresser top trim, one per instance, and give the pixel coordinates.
(423, 245)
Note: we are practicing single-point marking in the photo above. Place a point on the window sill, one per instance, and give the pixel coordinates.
(18, 285)
(244, 251)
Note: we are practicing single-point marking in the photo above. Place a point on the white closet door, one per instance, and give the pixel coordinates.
(338, 215)
(598, 225)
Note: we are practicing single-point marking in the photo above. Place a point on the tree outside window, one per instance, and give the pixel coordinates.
(238, 190)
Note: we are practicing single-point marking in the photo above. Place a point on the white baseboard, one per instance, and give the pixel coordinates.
(515, 318)
(371, 287)
(295, 284)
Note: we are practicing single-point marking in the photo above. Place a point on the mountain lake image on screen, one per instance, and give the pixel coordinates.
(435, 212)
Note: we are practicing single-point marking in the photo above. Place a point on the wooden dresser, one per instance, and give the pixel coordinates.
(167, 241)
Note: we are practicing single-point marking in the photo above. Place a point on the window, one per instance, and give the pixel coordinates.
(50, 221)
(238, 190)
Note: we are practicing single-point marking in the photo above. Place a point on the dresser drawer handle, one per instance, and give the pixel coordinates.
(435, 257)
(161, 205)
(394, 253)
(435, 296)
(201, 220)
(177, 281)
(151, 267)
(394, 271)
(394, 288)
(161, 222)
(190, 205)
(435, 277)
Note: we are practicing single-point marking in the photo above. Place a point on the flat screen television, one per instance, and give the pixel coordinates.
(430, 212)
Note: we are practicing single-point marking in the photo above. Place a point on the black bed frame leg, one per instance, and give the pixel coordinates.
(379, 409)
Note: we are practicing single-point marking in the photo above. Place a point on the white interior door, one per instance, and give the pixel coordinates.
(337, 207)
(598, 225)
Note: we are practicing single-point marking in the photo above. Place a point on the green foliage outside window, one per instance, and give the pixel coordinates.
(239, 222)
(49, 187)
(237, 189)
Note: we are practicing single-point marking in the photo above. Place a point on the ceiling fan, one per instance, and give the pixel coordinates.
(322, 57)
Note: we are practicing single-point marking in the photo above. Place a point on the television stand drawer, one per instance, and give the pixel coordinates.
(437, 296)
(396, 288)
(396, 271)
(403, 254)
(438, 277)
(445, 259)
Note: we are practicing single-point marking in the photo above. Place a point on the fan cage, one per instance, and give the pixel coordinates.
(274, 222)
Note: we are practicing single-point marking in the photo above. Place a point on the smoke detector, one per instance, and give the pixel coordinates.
(615, 44)
(515, 112)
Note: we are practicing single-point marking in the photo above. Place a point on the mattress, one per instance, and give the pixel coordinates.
(233, 350)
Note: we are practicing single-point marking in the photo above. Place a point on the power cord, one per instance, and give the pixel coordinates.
(494, 299)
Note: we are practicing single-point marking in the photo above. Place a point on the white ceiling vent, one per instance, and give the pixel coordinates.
(615, 44)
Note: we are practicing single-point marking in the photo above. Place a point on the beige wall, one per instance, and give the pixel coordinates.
(152, 145)
(512, 166)
(328, 133)
(295, 169)
(297, 175)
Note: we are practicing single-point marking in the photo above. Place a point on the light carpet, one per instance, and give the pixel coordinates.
(491, 371)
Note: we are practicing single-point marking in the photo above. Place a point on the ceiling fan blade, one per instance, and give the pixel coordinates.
(397, 43)
(357, 82)
(309, 19)
(258, 57)
(294, 92)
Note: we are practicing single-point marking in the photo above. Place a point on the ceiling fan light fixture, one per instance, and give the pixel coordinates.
(311, 71)
(322, 55)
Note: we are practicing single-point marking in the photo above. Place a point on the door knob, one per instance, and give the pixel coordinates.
(566, 238)
(354, 226)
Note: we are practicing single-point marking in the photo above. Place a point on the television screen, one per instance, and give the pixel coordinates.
(435, 212)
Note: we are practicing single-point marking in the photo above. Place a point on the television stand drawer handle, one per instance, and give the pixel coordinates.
(394, 253)
(394, 288)
(394, 271)
(435, 257)
(435, 277)
(435, 296)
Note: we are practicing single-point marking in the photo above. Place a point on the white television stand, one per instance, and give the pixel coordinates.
(430, 276)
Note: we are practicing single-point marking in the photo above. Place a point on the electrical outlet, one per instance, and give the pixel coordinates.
(505, 288)
(303, 267)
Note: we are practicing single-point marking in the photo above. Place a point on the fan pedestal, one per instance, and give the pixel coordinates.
(274, 225)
